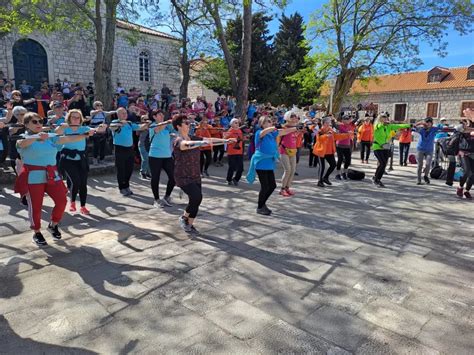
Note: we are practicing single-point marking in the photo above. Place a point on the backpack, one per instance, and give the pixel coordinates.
(436, 172)
(412, 159)
(355, 174)
(452, 144)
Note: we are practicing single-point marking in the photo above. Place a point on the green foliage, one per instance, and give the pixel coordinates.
(215, 76)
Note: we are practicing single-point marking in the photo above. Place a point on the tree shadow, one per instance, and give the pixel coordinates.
(12, 343)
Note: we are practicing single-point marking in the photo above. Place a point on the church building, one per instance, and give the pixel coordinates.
(150, 61)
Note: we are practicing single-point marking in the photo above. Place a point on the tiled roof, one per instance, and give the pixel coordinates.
(414, 81)
(132, 26)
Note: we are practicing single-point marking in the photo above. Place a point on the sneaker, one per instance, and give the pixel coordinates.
(235, 182)
(419, 182)
(449, 183)
(362, 161)
(344, 176)
(320, 184)
(183, 223)
(264, 211)
(123, 192)
(167, 201)
(338, 177)
(380, 184)
(194, 231)
(229, 183)
(84, 210)
(284, 193)
(367, 162)
(148, 175)
(427, 180)
(467, 194)
(72, 207)
(54, 231)
(161, 204)
(267, 209)
(406, 164)
(291, 193)
(206, 173)
(143, 177)
(156, 204)
(129, 192)
(327, 182)
(460, 192)
(39, 240)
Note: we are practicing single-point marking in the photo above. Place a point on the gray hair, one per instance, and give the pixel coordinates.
(18, 110)
(232, 121)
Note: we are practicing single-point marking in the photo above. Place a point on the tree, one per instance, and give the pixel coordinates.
(187, 19)
(291, 50)
(215, 76)
(263, 77)
(372, 36)
(239, 80)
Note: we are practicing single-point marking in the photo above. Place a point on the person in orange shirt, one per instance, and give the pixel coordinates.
(404, 147)
(365, 135)
(216, 131)
(325, 148)
(235, 153)
(203, 131)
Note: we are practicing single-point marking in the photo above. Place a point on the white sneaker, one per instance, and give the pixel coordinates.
(167, 201)
(156, 204)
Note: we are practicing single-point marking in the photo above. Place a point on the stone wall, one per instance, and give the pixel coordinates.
(449, 102)
(195, 89)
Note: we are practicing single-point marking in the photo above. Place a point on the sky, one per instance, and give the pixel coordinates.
(460, 49)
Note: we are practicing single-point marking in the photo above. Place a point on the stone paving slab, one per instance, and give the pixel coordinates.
(347, 269)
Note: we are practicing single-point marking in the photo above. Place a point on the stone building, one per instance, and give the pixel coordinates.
(440, 92)
(152, 61)
(195, 87)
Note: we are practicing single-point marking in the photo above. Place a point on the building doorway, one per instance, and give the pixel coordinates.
(400, 112)
(30, 62)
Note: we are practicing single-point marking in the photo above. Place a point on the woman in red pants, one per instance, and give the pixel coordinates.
(39, 174)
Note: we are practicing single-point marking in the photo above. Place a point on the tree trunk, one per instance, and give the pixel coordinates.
(243, 88)
(185, 67)
(107, 62)
(100, 88)
(225, 48)
(344, 83)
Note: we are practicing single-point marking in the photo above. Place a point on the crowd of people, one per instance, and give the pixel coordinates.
(46, 138)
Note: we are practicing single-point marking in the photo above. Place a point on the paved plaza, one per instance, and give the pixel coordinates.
(344, 269)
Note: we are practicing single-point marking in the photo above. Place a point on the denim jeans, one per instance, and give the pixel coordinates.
(144, 167)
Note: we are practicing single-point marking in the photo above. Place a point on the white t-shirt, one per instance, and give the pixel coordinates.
(119, 90)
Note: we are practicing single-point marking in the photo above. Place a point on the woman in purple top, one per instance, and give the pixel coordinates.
(187, 169)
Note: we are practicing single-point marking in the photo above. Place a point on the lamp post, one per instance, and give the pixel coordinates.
(332, 84)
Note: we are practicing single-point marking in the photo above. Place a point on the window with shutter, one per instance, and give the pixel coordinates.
(432, 110)
(465, 105)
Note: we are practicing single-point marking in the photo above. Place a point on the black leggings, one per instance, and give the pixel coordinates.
(404, 150)
(99, 141)
(218, 153)
(206, 157)
(76, 178)
(365, 149)
(313, 159)
(267, 186)
(156, 164)
(332, 165)
(468, 177)
(236, 164)
(194, 192)
(382, 156)
(343, 155)
(124, 162)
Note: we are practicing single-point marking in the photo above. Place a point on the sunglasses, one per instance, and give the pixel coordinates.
(37, 121)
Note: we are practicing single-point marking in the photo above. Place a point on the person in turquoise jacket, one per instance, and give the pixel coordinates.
(264, 160)
(381, 146)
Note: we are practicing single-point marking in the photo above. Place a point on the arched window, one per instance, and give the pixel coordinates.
(144, 66)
